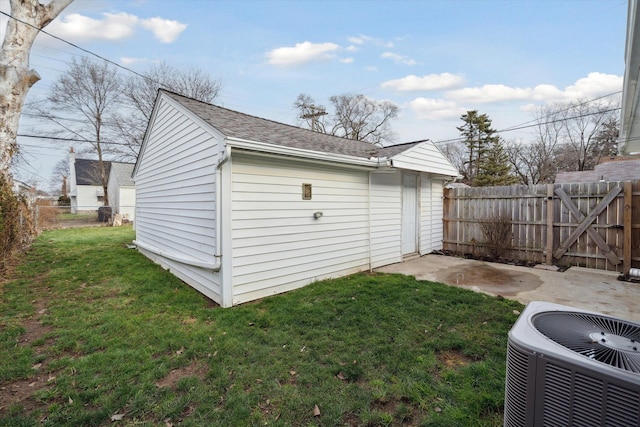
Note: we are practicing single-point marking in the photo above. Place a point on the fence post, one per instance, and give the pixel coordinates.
(549, 259)
(626, 239)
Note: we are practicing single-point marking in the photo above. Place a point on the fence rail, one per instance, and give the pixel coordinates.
(595, 225)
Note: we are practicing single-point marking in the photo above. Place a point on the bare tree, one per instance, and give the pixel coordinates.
(60, 177)
(312, 115)
(140, 95)
(354, 117)
(363, 119)
(536, 162)
(456, 153)
(568, 137)
(27, 18)
(583, 122)
(92, 91)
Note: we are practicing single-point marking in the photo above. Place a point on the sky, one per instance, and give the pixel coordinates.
(434, 59)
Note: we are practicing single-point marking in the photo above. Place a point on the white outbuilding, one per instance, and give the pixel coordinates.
(241, 207)
(122, 190)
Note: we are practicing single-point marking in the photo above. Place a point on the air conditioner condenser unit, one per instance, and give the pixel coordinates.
(571, 367)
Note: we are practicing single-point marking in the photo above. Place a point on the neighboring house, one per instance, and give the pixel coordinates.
(620, 170)
(25, 190)
(629, 140)
(241, 207)
(86, 192)
(121, 190)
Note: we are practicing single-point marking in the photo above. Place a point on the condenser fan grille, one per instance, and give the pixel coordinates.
(604, 339)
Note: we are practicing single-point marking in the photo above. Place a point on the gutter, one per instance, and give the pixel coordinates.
(301, 152)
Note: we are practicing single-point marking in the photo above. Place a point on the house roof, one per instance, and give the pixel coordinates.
(122, 173)
(623, 170)
(88, 171)
(243, 126)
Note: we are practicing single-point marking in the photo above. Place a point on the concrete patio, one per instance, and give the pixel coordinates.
(589, 289)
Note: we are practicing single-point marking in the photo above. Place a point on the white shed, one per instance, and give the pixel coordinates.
(241, 207)
(122, 190)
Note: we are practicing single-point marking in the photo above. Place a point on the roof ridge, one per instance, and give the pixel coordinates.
(341, 138)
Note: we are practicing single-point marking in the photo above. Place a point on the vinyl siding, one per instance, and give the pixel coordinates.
(87, 197)
(121, 198)
(114, 192)
(276, 242)
(127, 202)
(175, 196)
(386, 216)
(425, 157)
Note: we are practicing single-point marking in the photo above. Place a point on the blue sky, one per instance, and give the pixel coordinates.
(434, 59)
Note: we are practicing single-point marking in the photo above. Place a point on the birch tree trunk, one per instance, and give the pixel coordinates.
(28, 17)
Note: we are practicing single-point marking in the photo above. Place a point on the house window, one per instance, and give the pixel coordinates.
(306, 191)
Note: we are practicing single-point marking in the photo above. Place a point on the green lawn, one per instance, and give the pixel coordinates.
(92, 333)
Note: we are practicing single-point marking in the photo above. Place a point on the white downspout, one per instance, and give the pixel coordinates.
(225, 156)
(369, 209)
(217, 262)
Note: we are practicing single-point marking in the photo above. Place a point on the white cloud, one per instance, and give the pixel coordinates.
(165, 30)
(347, 60)
(362, 40)
(490, 93)
(398, 59)
(113, 27)
(351, 48)
(425, 83)
(125, 60)
(435, 109)
(302, 53)
(456, 102)
(592, 86)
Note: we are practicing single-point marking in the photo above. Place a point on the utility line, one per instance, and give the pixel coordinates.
(80, 48)
(514, 127)
(57, 138)
(525, 126)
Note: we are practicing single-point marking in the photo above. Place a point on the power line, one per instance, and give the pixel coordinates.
(515, 127)
(57, 138)
(81, 48)
(525, 126)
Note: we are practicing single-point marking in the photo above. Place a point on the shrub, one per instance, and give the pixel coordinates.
(64, 201)
(497, 233)
(16, 225)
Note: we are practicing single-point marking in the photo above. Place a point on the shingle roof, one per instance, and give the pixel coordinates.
(88, 171)
(243, 126)
(623, 170)
(122, 172)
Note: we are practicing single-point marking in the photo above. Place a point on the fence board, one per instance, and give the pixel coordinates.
(541, 222)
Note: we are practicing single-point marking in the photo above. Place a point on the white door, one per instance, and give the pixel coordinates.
(409, 213)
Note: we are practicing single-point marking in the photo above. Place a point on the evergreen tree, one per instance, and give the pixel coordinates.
(479, 138)
(494, 167)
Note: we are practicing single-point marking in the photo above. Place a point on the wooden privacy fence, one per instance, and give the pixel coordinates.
(594, 225)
